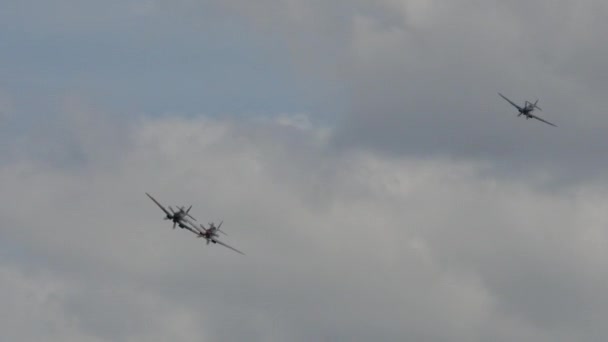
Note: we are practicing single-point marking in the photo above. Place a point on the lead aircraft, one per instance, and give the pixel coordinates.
(180, 218)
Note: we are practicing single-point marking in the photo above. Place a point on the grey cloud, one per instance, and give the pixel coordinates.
(440, 98)
(421, 78)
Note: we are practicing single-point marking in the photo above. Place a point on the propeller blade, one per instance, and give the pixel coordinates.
(220, 225)
(174, 224)
(187, 211)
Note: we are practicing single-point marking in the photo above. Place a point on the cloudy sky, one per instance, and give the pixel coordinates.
(356, 150)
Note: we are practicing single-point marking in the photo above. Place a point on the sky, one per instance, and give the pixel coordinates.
(357, 152)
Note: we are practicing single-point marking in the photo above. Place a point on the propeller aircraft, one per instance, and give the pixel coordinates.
(211, 234)
(180, 218)
(527, 110)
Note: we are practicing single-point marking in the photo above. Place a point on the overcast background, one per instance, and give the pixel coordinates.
(357, 152)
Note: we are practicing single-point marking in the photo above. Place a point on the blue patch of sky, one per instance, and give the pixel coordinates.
(154, 67)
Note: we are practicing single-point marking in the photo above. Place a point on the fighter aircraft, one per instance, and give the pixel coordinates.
(179, 218)
(527, 110)
(211, 234)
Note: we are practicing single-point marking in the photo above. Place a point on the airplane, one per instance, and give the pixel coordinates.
(179, 218)
(527, 110)
(211, 234)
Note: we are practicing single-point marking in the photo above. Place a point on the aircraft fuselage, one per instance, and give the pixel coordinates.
(526, 111)
(209, 234)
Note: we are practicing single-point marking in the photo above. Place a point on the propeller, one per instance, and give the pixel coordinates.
(169, 216)
(221, 231)
(186, 212)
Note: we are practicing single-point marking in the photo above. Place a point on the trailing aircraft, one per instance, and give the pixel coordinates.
(211, 235)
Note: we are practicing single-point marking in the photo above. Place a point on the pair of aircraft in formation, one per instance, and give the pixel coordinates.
(182, 219)
(527, 110)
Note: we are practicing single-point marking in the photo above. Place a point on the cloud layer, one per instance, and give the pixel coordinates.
(340, 246)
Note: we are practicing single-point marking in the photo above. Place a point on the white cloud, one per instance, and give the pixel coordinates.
(33, 308)
(340, 245)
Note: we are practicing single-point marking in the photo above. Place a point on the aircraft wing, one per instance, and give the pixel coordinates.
(225, 245)
(187, 212)
(181, 225)
(511, 102)
(543, 120)
(199, 229)
(159, 205)
(192, 224)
